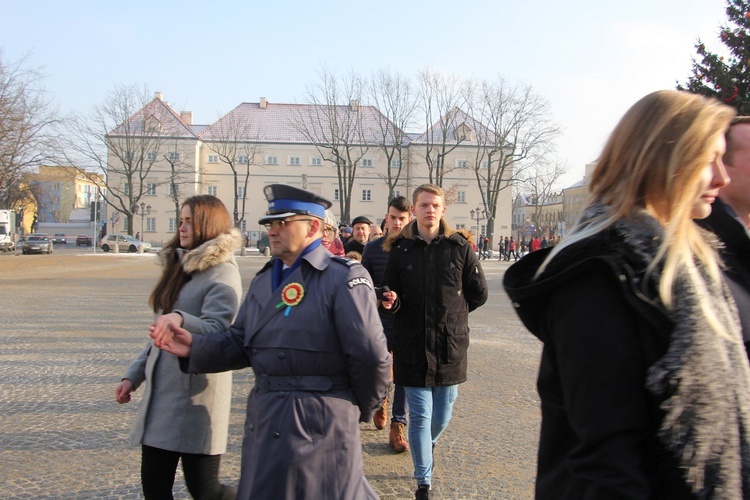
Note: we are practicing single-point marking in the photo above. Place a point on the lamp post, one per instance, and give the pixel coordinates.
(479, 214)
(145, 210)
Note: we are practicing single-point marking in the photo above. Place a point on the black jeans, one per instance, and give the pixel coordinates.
(158, 468)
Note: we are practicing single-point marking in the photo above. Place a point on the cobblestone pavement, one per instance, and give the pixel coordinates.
(72, 322)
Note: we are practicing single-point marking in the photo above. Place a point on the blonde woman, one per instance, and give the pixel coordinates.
(182, 416)
(644, 381)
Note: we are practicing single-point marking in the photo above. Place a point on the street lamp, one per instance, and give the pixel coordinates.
(480, 215)
(145, 210)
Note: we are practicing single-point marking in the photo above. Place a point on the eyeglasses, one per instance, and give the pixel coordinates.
(281, 224)
(330, 230)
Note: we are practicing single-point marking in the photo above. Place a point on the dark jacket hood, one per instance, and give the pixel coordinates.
(605, 252)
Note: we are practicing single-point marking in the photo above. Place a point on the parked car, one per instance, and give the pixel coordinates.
(263, 243)
(126, 243)
(37, 244)
(83, 240)
(60, 238)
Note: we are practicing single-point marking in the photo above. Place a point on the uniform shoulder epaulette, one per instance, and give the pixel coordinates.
(344, 260)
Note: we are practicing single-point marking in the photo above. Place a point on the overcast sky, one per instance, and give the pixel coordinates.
(591, 59)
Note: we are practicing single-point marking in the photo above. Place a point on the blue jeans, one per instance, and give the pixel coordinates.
(430, 410)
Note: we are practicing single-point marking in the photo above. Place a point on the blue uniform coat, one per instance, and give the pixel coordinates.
(321, 367)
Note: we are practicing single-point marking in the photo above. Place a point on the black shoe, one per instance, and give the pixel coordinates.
(423, 492)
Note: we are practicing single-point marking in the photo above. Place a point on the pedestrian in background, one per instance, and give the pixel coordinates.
(360, 235)
(185, 416)
(435, 280)
(330, 239)
(374, 260)
(730, 220)
(644, 381)
(310, 330)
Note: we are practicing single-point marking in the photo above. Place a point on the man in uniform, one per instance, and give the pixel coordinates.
(309, 328)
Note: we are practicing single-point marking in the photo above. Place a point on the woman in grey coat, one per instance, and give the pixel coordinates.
(187, 416)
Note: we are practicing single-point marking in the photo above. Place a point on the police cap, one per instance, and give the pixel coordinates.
(285, 201)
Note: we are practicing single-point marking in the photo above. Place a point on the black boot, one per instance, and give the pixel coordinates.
(423, 492)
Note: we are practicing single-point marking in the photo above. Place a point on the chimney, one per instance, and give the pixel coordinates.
(263, 104)
(187, 117)
(354, 105)
(159, 95)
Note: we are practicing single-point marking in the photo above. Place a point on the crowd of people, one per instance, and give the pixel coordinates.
(643, 313)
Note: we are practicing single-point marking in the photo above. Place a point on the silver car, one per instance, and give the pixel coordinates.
(126, 243)
(37, 244)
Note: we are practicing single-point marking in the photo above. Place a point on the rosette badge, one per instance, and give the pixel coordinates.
(291, 295)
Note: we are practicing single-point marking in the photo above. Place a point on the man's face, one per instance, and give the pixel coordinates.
(361, 232)
(737, 193)
(428, 209)
(288, 239)
(395, 219)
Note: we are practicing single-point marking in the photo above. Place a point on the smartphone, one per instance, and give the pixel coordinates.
(380, 290)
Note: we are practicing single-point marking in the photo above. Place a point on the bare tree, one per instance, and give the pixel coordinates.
(441, 98)
(123, 138)
(334, 123)
(393, 96)
(27, 120)
(235, 140)
(512, 132)
(181, 172)
(540, 181)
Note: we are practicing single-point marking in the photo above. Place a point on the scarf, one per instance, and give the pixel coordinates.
(703, 379)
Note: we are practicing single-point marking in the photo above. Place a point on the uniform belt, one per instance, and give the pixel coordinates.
(319, 383)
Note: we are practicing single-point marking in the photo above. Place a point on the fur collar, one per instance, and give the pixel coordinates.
(410, 232)
(209, 254)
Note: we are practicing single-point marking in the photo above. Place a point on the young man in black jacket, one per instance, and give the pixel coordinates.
(374, 259)
(435, 280)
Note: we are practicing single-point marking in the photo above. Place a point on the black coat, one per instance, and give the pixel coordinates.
(599, 422)
(736, 257)
(374, 259)
(437, 286)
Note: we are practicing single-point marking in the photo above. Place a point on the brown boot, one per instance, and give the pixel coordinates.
(398, 438)
(380, 418)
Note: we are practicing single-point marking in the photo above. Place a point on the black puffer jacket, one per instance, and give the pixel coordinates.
(374, 259)
(438, 284)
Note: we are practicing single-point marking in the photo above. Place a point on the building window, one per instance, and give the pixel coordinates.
(173, 156)
(366, 195)
(461, 197)
(395, 163)
(241, 192)
(460, 226)
(243, 159)
(462, 164)
(316, 161)
(126, 188)
(213, 158)
(150, 224)
(172, 225)
(366, 162)
(174, 190)
(485, 164)
(396, 193)
(272, 160)
(151, 189)
(243, 225)
(127, 156)
(336, 194)
(211, 190)
(293, 160)
(151, 156)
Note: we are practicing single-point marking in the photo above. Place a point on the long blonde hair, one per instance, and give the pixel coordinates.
(653, 161)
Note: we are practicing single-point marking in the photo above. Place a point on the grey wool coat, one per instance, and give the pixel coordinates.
(320, 366)
(181, 412)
